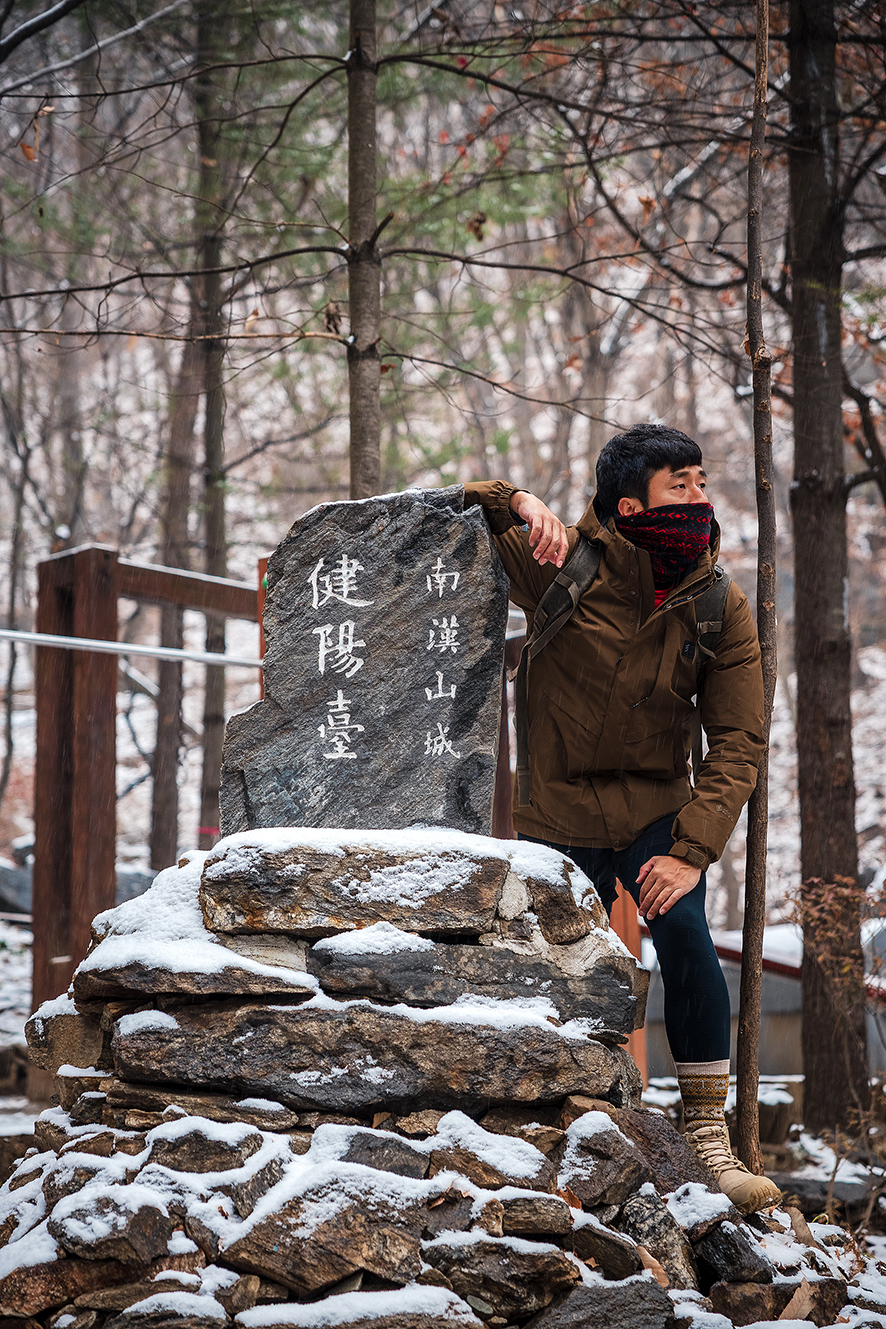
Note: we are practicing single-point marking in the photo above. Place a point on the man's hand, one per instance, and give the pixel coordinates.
(665, 880)
(547, 534)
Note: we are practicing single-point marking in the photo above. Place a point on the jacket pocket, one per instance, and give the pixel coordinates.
(562, 741)
(657, 735)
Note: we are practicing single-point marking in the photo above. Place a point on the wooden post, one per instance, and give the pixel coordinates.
(75, 795)
(262, 592)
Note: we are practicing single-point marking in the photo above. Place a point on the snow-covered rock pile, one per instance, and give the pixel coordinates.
(319, 1079)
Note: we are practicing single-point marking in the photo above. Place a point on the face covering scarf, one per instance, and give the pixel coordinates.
(674, 536)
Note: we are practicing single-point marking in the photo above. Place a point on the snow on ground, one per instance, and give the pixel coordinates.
(15, 983)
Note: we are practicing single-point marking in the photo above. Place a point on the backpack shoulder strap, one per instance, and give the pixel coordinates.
(555, 608)
(710, 607)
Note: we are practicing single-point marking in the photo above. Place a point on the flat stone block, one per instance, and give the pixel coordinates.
(361, 1058)
(438, 976)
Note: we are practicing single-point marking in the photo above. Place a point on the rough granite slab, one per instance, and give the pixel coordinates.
(313, 882)
(361, 1058)
(384, 623)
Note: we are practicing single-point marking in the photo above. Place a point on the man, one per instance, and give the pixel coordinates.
(609, 709)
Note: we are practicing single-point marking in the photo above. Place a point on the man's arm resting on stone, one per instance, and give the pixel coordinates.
(732, 716)
(506, 506)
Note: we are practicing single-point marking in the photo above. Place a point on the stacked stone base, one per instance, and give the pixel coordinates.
(311, 1082)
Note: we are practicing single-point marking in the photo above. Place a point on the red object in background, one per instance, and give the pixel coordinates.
(627, 926)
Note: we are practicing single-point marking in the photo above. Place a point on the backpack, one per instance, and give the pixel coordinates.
(557, 606)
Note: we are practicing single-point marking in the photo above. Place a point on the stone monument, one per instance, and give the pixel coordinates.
(385, 623)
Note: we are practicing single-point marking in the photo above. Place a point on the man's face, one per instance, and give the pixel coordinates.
(667, 487)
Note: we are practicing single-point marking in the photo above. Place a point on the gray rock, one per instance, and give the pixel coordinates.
(436, 977)
(358, 1058)
(376, 611)
(671, 1161)
(513, 1282)
(632, 1306)
(538, 1215)
(314, 885)
(263, 1113)
(110, 1223)
(331, 1231)
(119, 982)
(731, 1256)
(385, 1152)
(615, 1253)
(645, 1218)
(600, 1164)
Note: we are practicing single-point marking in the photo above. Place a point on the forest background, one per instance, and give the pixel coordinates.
(253, 258)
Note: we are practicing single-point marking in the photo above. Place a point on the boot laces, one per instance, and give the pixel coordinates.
(712, 1146)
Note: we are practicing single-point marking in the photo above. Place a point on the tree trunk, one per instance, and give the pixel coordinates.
(210, 220)
(174, 553)
(834, 1045)
(751, 991)
(364, 263)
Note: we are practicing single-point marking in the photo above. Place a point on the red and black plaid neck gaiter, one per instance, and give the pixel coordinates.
(674, 536)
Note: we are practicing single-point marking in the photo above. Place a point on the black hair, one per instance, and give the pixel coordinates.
(628, 462)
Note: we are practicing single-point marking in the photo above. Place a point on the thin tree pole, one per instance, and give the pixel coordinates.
(748, 1124)
(364, 263)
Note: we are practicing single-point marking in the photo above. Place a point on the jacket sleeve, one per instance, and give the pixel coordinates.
(732, 716)
(528, 579)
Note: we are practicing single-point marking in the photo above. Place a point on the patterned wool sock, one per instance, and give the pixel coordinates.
(703, 1088)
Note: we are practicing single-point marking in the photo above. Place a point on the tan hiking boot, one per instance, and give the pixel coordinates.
(747, 1192)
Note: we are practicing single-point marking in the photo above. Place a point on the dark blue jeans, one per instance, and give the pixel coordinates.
(696, 999)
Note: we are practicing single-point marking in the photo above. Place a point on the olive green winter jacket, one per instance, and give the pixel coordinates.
(610, 698)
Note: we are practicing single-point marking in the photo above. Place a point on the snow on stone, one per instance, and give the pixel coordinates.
(180, 1303)
(379, 939)
(518, 1244)
(99, 1210)
(213, 1278)
(509, 1154)
(824, 1162)
(435, 1302)
(434, 851)
(871, 1284)
(15, 983)
(261, 1104)
(584, 1128)
(517, 1013)
(139, 1020)
(40, 1248)
(693, 1203)
(164, 929)
(693, 1316)
(582, 1219)
(546, 864)
(228, 1132)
